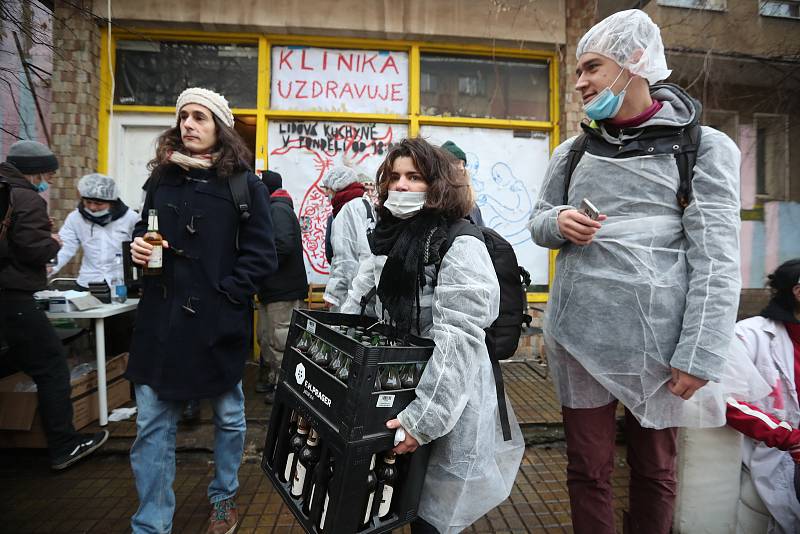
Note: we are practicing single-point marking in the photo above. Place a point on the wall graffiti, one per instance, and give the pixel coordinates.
(302, 151)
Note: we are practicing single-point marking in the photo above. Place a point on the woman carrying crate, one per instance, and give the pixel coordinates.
(471, 468)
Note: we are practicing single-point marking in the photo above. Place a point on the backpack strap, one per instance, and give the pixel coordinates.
(367, 205)
(685, 158)
(576, 152)
(240, 194)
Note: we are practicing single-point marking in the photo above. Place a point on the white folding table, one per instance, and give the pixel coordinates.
(98, 315)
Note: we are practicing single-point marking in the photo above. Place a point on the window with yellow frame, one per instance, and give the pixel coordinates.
(305, 104)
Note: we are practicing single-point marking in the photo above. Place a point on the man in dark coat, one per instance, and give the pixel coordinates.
(34, 346)
(284, 291)
(194, 319)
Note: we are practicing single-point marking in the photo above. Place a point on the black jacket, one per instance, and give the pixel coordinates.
(194, 321)
(290, 281)
(30, 241)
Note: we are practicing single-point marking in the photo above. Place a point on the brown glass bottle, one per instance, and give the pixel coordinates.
(387, 474)
(306, 460)
(372, 482)
(154, 265)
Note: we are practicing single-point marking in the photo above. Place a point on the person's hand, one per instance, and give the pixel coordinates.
(141, 250)
(684, 385)
(52, 222)
(577, 227)
(407, 445)
(57, 239)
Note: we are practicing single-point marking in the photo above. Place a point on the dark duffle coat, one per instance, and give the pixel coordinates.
(194, 320)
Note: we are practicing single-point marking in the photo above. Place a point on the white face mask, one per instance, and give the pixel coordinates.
(100, 213)
(404, 205)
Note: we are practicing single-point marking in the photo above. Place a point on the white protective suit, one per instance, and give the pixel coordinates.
(657, 288)
(471, 469)
(350, 248)
(772, 470)
(100, 245)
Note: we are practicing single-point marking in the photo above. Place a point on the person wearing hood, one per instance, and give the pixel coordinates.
(346, 243)
(34, 346)
(99, 225)
(449, 295)
(645, 294)
(283, 291)
(461, 157)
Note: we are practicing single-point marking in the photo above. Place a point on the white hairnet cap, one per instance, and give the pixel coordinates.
(337, 178)
(98, 186)
(632, 40)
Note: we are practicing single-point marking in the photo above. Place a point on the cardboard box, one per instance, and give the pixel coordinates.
(20, 424)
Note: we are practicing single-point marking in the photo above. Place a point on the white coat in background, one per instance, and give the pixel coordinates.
(350, 248)
(100, 245)
(471, 469)
(772, 470)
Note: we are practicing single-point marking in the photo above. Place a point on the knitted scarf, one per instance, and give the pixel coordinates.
(354, 190)
(117, 210)
(410, 245)
(195, 161)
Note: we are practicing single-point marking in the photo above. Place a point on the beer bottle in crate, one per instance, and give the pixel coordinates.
(304, 343)
(390, 378)
(323, 355)
(336, 362)
(306, 460)
(320, 478)
(344, 371)
(296, 443)
(372, 482)
(327, 495)
(408, 376)
(387, 475)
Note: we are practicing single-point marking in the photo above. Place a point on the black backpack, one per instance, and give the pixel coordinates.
(6, 211)
(502, 336)
(682, 142)
(328, 244)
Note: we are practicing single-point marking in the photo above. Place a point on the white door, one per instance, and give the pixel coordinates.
(132, 145)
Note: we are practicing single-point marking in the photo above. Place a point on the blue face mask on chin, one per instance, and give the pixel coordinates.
(606, 104)
(42, 187)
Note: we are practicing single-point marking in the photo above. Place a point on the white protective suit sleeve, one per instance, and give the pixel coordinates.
(543, 222)
(350, 248)
(362, 283)
(70, 240)
(466, 300)
(711, 225)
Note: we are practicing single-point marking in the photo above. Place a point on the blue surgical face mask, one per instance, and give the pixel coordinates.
(606, 104)
(42, 187)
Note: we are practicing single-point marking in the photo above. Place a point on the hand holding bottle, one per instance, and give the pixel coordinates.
(141, 250)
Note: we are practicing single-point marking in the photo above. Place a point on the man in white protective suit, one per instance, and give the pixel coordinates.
(644, 300)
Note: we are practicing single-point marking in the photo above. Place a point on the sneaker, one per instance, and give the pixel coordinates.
(85, 445)
(224, 517)
(263, 382)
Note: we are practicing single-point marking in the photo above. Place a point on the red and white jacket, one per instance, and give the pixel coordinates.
(755, 423)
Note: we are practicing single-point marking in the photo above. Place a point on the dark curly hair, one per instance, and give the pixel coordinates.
(449, 191)
(782, 283)
(234, 156)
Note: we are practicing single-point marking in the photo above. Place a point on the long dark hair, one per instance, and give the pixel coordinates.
(448, 186)
(234, 156)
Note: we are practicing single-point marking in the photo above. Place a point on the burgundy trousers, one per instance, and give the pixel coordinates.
(590, 434)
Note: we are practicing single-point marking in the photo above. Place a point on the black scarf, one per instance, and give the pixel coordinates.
(410, 245)
(117, 210)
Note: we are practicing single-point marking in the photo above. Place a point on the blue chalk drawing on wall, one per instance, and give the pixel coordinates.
(504, 199)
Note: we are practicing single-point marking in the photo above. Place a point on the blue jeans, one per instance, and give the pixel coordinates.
(153, 455)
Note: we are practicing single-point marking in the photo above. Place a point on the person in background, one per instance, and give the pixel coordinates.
(645, 294)
(194, 320)
(475, 213)
(34, 347)
(772, 341)
(346, 244)
(471, 468)
(99, 225)
(283, 291)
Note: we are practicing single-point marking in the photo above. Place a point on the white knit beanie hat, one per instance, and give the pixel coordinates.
(215, 102)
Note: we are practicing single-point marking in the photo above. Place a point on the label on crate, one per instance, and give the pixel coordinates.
(311, 326)
(309, 390)
(386, 501)
(299, 479)
(385, 401)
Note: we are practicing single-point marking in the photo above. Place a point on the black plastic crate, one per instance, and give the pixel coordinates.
(346, 490)
(353, 409)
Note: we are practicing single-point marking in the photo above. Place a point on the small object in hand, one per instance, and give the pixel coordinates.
(400, 436)
(588, 209)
